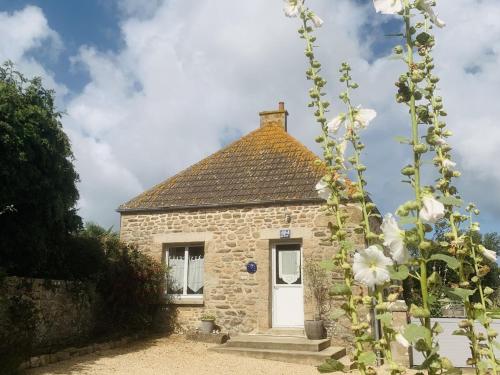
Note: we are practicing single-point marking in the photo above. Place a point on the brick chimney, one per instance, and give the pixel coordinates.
(276, 117)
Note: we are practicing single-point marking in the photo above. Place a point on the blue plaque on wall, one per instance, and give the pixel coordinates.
(251, 267)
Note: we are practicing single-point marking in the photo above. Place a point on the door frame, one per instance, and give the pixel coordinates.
(273, 280)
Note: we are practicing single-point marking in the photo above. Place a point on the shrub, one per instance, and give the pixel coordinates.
(131, 289)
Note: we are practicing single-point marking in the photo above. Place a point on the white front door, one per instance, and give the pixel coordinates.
(287, 286)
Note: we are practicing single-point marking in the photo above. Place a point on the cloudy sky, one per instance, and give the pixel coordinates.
(148, 90)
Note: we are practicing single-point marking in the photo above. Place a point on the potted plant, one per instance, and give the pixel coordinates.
(318, 284)
(207, 323)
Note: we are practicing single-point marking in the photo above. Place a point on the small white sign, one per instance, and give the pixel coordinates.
(284, 233)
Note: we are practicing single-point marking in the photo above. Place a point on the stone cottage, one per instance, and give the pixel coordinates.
(235, 230)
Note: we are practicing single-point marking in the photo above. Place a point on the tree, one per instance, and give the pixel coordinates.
(37, 178)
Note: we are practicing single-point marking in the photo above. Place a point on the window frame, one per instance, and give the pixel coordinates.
(184, 298)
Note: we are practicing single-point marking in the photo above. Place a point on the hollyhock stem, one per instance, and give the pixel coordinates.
(354, 139)
(422, 258)
(486, 321)
(333, 170)
(416, 160)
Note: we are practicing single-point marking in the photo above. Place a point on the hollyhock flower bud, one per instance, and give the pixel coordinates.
(447, 163)
(316, 20)
(488, 291)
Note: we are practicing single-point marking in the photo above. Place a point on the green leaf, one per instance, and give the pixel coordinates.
(416, 332)
(340, 290)
(385, 318)
(452, 262)
(331, 365)
(461, 293)
(368, 358)
(401, 273)
(451, 201)
(401, 139)
(328, 265)
(336, 314)
(407, 220)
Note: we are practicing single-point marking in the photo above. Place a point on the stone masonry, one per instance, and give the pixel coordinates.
(232, 237)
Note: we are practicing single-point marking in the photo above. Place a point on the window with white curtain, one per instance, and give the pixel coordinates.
(186, 265)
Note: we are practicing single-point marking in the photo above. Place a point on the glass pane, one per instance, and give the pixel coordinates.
(176, 270)
(195, 270)
(288, 264)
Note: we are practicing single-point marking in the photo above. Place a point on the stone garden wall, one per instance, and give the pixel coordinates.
(63, 310)
(232, 237)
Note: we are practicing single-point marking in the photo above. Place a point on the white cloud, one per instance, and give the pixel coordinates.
(191, 71)
(24, 31)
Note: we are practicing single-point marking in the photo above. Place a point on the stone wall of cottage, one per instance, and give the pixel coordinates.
(232, 237)
(63, 312)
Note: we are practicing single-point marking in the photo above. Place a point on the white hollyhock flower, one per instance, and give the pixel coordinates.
(292, 8)
(432, 209)
(490, 255)
(316, 20)
(402, 340)
(363, 117)
(393, 239)
(323, 189)
(370, 267)
(335, 124)
(426, 7)
(388, 6)
(448, 164)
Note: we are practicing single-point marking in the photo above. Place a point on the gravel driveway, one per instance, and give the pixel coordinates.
(172, 355)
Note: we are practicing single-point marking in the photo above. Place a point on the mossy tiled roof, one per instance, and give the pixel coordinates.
(265, 166)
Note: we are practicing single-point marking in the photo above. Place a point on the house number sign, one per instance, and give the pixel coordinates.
(284, 233)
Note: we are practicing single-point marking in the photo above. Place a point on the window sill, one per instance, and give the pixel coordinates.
(185, 300)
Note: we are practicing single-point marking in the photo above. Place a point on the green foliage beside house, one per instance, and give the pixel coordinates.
(37, 178)
(42, 235)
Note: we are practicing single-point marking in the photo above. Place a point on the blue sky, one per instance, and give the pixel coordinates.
(151, 87)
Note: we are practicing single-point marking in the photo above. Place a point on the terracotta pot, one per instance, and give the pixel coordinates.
(207, 326)
(315, 329)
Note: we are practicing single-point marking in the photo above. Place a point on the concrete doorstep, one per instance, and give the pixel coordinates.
(281, 348)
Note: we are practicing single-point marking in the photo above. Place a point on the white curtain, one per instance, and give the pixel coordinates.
(176, 264)
(289, 266)
(195, 273)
